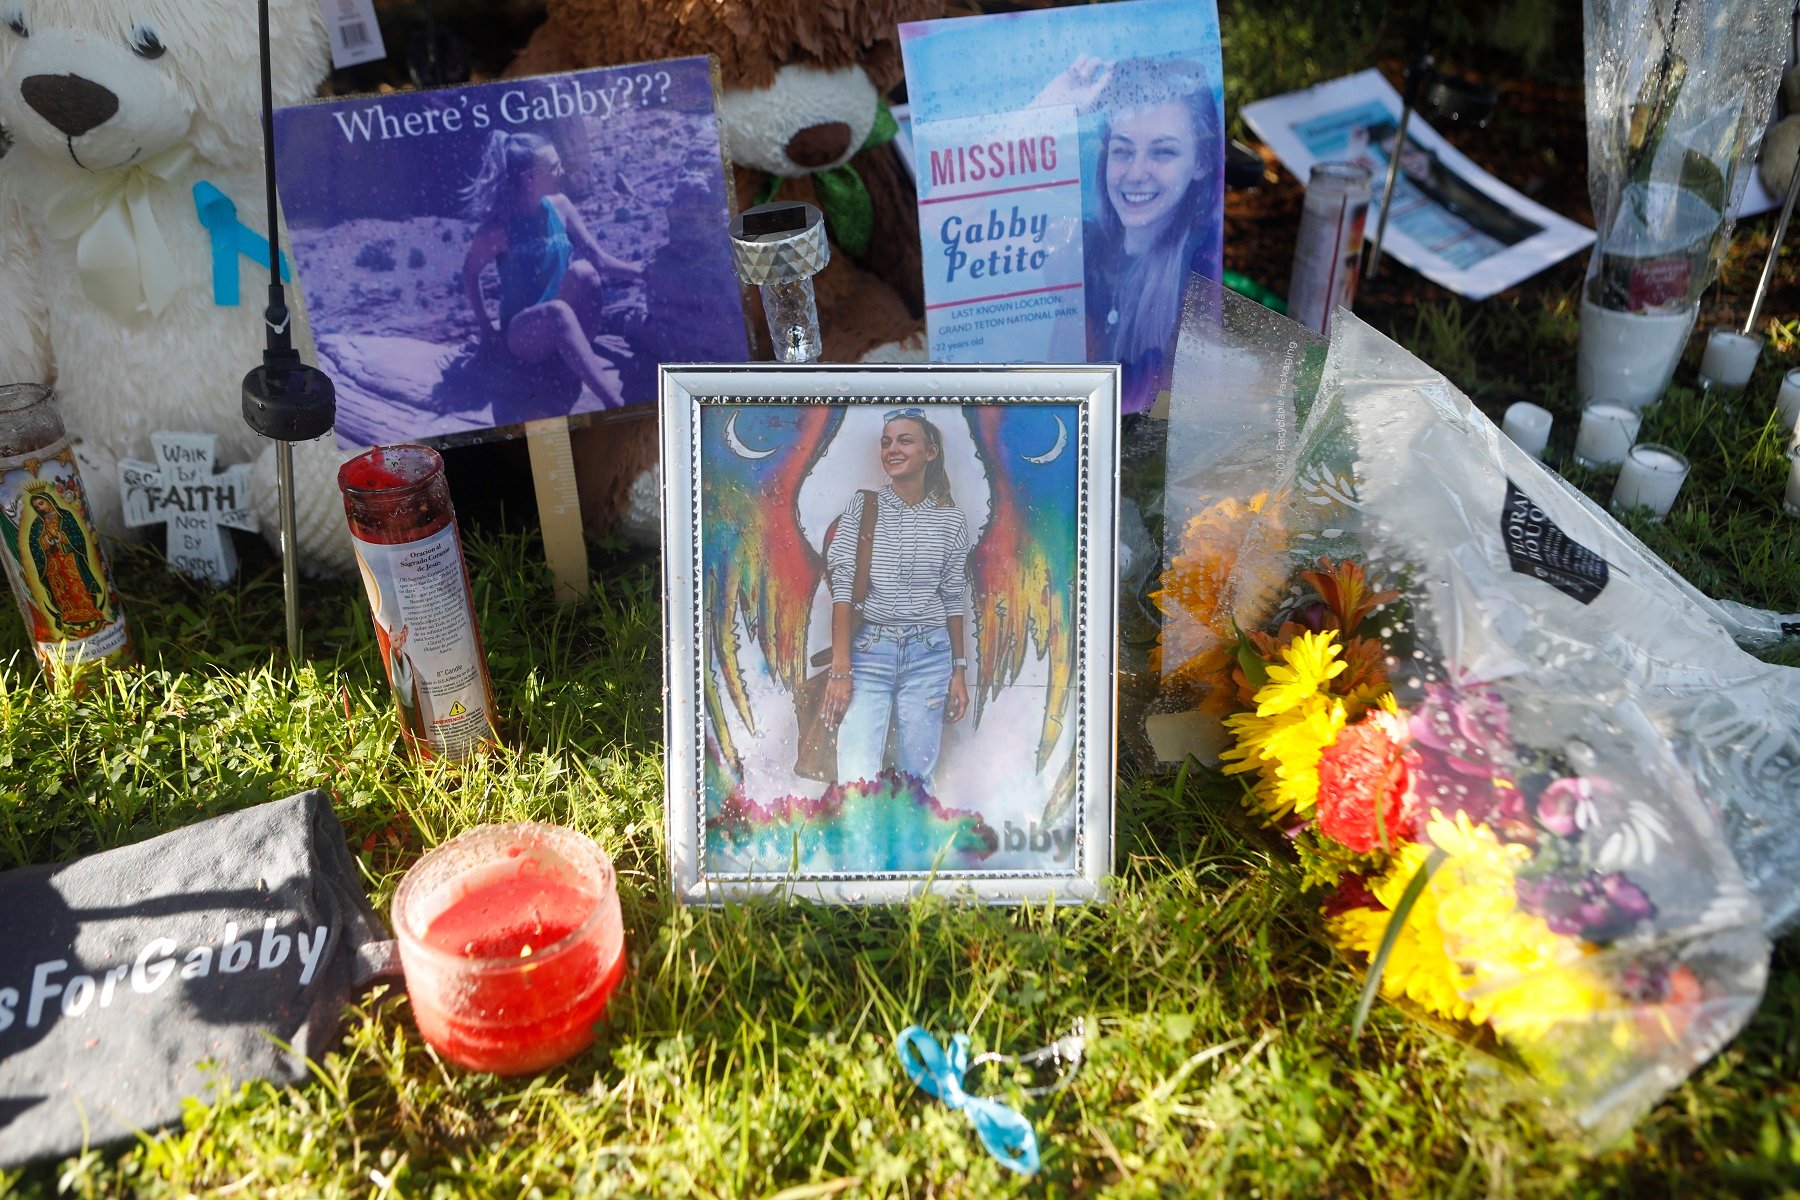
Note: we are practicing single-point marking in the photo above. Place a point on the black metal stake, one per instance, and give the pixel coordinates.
(284, 398)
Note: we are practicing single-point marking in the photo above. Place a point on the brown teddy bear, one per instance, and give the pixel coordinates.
(804, 119)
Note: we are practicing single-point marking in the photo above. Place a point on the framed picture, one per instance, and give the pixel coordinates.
(863, 712)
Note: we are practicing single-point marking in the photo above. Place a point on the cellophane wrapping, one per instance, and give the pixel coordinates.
(1678, 93)
(1438, 668)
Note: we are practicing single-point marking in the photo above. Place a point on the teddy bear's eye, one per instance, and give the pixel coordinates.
(15, 21)
(145, 43)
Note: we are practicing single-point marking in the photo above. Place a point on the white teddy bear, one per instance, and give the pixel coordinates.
(116, 109)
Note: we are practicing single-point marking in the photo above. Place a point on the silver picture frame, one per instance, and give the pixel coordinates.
(762, 466)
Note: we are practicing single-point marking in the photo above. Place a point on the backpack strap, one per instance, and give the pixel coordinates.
(865, 554)
(865, 550)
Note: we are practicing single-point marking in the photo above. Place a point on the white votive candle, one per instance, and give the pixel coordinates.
(1650, 478)
(1729, 359)
(1790, 503)
(1788, 400)
(1607, 431)
(1528, 426)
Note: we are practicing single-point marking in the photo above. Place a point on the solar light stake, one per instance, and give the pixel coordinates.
(284, 398)
(1442, 97)
(778, 248)
(1768, 271)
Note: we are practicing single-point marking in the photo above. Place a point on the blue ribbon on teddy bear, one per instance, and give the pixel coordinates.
(230, 238)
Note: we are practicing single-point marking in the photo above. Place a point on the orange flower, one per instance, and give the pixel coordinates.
(1365, 785)
(1365, 677)
(1213, 578)
(1345, 588)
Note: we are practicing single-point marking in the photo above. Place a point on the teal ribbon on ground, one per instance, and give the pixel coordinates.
(1005, 1133)
(230, 238)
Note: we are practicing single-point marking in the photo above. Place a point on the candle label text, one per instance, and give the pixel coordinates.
(419, 596)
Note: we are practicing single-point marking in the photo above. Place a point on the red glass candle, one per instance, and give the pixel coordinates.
(407, 547)
(47, 542)
(511, 942)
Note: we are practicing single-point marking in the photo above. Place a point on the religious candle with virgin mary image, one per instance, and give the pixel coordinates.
(47, 541)
(410, 555)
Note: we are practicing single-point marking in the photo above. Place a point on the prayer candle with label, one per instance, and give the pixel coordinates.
(410, 555)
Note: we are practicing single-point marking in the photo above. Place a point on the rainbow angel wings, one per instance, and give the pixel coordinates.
(1022, 571)
(760, 573)
(758, 565)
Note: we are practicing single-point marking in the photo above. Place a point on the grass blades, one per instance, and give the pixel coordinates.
(1390, 934)
(749, 1052)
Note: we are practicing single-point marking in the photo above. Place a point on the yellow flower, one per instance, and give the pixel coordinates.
(1467, 951)
(1285, 749)
(1295, 720)
(1417, 968)
(1309, 663)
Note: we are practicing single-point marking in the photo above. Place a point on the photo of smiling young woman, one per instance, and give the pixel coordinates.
(898, 668)
(1159, 184)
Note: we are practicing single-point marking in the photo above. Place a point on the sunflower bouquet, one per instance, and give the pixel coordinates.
(1445, 720)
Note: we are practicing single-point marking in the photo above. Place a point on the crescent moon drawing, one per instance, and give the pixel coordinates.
(1051, 455)
(737, 443)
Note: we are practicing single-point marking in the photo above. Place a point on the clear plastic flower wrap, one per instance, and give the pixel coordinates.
(1521, 758)
(1677, 96)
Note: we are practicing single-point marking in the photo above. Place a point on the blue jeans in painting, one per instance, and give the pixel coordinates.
(900, 674)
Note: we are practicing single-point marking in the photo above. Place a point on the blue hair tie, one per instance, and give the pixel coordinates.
(1006, 1134)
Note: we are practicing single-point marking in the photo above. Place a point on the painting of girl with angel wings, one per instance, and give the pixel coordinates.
(889, 619)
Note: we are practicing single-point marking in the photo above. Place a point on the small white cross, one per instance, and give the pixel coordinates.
(181, 490)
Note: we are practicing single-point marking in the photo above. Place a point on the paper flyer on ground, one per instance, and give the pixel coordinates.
(477, 257)
(1451, 221)
(1069, 185)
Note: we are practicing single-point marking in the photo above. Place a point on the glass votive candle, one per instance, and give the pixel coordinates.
(1787, 400)
(1607, 432)
(1528, 426)
(511, 942)
(1729, 359)
(1650, 477)
(1790, 503)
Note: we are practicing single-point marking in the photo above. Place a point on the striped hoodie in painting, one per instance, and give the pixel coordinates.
(917, 565)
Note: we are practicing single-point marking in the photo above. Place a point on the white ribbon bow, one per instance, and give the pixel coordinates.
(124, 264)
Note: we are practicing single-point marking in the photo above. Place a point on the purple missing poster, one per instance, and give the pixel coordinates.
(477, 257)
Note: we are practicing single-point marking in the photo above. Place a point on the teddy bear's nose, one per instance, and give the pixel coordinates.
(69, 102)
(817, 145)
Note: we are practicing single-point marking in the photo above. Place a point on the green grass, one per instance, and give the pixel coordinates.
(750, 1051)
